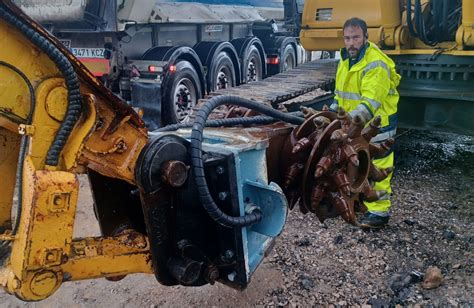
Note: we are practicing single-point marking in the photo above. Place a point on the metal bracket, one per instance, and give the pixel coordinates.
(28, 130)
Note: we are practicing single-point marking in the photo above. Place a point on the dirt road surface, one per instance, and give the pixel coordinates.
(334, 263)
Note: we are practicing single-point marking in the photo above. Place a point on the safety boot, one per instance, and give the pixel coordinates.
(373, 221)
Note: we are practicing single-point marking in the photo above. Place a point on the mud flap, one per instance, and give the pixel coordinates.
(146, 95)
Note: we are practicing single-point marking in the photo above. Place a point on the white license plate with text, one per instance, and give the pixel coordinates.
(88, 52)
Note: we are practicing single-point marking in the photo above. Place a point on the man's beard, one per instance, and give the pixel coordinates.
(353, 55)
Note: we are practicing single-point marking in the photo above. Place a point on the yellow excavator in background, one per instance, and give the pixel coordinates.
(431, 42)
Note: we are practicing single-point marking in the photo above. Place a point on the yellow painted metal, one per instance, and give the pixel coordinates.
(465, 33)
(7, 123)
(401, 36)
(447, 51)
(44, 253)
(27, 130)
(323, 21)
(7, 236)
(18, 51)
(9, 148)
(387, 27)
(50, 92)
(45, 230)
(331, 39)
(468, 13)
(56, 103)
(377, 13)
(126, 253)
(107, 138)
(113, 130)
(86, 123)
(49, 203)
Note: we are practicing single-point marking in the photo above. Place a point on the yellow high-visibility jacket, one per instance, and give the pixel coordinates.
(369, 88)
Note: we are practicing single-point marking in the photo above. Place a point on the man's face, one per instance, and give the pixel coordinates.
(354, 39)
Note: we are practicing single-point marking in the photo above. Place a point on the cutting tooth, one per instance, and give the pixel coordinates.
(377, 174)
(323, 166)
(343, 207)
(317, 195)
(302, 144)
(373, 129)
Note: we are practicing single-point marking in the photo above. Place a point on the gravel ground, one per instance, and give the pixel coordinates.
(335, 263)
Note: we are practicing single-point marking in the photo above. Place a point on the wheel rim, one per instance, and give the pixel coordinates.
(325, 55)
(253, 70)
(222, 80)
(289, 63)
(184, 98)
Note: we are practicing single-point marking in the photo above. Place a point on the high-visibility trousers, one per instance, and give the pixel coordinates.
(382, 205)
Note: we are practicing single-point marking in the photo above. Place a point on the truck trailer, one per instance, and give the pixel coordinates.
(162, 56)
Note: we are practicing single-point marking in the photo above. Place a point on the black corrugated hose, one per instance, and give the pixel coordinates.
(198, 165)
(255, 120)
(442, 20)
(72, 84)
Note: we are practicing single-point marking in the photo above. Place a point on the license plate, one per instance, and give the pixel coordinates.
(97, 53)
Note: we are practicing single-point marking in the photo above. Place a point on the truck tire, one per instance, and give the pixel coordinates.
(328, 54)
(182, 92)
(223, 73)
(288, 59)
(253, 65)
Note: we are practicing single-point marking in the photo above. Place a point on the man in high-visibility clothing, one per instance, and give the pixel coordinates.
(366, 83)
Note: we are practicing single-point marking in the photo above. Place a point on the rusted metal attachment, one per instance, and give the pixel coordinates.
(328, 168)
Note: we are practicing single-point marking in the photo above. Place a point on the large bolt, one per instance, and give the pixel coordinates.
(220, 170)
(223, 195)
(121, 146)
(174, 173)
(229, 254)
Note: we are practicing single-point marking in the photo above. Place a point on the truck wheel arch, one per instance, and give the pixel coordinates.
(173, 55)
(277, 47)
(188, 74)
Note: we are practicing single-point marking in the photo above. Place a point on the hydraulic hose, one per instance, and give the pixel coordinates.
(255, 120)
(420, 25)
(411, 29)
(198, 166)
(72, 84)
(23, 145)
(443, 18)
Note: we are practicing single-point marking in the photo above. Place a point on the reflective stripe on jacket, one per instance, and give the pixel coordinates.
(369, 89)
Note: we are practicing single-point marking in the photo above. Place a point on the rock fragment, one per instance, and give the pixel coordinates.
(433, 278)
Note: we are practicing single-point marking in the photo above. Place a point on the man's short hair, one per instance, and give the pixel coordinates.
(356, 22)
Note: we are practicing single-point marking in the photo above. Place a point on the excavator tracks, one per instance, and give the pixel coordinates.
(304, 84)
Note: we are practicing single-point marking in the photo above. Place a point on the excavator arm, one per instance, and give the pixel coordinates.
(189, 207)
(57, 121)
